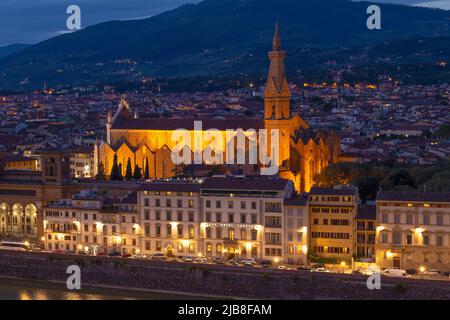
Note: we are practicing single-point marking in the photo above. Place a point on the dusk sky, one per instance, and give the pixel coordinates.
(29, 21)
(26, 21)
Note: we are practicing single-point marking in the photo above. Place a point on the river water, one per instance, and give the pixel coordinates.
(31, 290)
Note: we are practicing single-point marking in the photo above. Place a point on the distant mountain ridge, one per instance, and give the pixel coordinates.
(7, 50)
(214, 37)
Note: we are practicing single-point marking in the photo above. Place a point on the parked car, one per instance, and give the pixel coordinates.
(356, 272)
(158, 256)
(282, 267)
(411, 271)
(320, 270)
(140, 256)
(395, 272)
(188, 259)
(304, 268)
(127, 255)
(218, 260)
(235, 262)
(432, 272)
(202, 260)
(446, 274)
(266, 263)
(248, 262)
(113, 254)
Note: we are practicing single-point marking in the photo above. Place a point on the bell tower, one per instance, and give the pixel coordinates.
(277, 102)
(277, 95)
(55, 166)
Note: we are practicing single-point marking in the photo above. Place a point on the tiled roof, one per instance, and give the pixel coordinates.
(316, 191)
(219, 183)
(367, 212)
(17, 158)
(297, 202)
(413, 196)
(171, 186)
(188, 124)
(246, 183)
(128, 199)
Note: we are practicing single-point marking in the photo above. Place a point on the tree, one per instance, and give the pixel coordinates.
(397, 178)
(146, 169)
(137, 173)
(116, 172)
(439, 183)
(101, 172)
(334, 174)
(368, 188)
(443, 131)
(120, 171)
(355, 174)
(128, 172)
(215, 169)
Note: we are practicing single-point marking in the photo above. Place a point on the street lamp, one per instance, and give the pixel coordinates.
(343, 264)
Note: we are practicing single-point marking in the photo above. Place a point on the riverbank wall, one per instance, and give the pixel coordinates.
(213, 280)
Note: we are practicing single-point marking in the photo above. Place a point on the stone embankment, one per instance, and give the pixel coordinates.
(214, 280)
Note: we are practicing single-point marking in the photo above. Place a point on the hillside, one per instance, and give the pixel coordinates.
(214, 37)
(7, 50)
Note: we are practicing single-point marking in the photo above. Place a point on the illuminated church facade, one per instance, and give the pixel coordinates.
(303, 152)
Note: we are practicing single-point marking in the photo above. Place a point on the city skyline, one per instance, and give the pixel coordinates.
(234, 149)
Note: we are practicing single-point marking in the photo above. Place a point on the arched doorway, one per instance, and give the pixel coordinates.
(30, 226)
(4, 217)
(231, 252)
(169, 250)
(17, 220)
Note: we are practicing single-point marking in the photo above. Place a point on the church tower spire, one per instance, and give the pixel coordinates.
(277, 38)
(277, 95)
(277, 108)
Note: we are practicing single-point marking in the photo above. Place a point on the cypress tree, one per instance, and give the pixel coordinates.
(129, 172)
(115, 170)
(137, 173)
(146, 170)
(101, 172)
(120, 172)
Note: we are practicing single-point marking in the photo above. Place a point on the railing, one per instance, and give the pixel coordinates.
(272, 225)
(278, 243)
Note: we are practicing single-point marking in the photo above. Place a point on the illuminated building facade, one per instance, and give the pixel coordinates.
(89, 223)
(217, 217)
(147, 142)
(296, 228)
(332, 215)
(365, 232)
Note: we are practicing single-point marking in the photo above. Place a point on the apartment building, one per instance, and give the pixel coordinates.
(331, 214)
(82, 162)
(296, 230)
(413, 230)
(244, 217)
(87, 223)
(170, 216)
(365, 231)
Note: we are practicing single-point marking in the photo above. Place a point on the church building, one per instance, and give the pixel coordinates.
(148, 144)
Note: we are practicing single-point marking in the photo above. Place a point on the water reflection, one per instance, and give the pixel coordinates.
(29, 290)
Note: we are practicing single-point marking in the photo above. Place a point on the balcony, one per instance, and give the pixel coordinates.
(273, 225)
(274, 243)
(231, 242)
